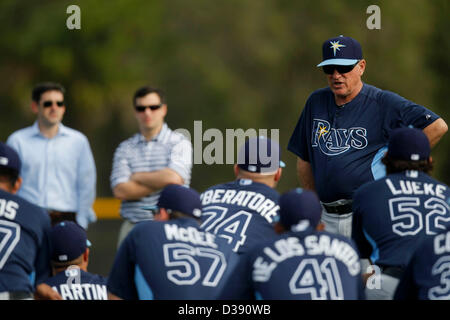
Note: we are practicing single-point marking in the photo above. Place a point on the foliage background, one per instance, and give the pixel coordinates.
(231, 64)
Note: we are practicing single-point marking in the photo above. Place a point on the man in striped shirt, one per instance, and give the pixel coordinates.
(148, 161)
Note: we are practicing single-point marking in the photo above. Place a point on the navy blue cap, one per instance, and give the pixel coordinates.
(298, 205)
(408, 144)
(9, 158)
(180, 198)
(341, 50)
(261, 155)
(68, 240)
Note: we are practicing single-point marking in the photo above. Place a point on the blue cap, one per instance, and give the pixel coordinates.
(9, 158)
(341, 50)
(298, 205)
(261, 155)
(68, 241)
(408, 144)
(180, 198)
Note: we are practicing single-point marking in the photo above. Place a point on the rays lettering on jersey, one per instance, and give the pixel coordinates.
(332, 141)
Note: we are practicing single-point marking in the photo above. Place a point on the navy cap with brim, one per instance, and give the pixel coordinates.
(260, 155)
(68, 241)
(178, 198)
(9, 158)
(344, 51)
(338, 62)
(298, 205)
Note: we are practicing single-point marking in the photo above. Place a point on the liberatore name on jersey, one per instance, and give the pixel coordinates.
(254, 201)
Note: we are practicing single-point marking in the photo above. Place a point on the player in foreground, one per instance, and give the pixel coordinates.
(70, 259)
(302, 263)
(171, 258)
(426, 276)
(243, 211)
(24, 231)
(394, 214)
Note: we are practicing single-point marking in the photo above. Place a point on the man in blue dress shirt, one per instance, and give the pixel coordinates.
(59, 171)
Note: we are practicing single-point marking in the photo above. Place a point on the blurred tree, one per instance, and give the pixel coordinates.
(230, 64)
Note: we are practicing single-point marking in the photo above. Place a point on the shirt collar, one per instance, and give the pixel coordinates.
(159, 137)
(62, 129)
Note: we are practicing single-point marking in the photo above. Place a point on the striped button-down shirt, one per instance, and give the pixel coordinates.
(168, 149)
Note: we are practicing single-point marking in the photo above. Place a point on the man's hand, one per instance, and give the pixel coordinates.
(45, 292)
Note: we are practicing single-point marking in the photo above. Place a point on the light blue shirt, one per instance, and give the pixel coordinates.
(58, 173)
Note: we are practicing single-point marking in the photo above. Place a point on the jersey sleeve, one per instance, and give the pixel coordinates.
(401, 112)
(299, 141)
(42, 265)
(120, 280)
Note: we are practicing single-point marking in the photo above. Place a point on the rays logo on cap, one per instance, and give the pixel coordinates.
(335, 45)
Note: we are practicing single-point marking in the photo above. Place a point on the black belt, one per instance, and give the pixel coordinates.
(340, 209)
(396, 272)
(16, 295)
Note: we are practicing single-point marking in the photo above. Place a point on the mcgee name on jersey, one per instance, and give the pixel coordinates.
(332, 141)
(189, 234)
(252, 200)
(315, 245)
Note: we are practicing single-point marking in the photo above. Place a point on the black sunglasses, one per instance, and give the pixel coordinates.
(341, 69)
(142, 108)
(49, 103)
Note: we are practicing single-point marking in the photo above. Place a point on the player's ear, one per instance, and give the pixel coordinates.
(320, 226)
(278, 227)
(362, 66)
(162, 215)
(16, 185)
(278, 174)
(86, 255)
(430, 159)
(236, 170)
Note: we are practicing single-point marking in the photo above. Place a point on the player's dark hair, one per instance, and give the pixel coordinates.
(9, 175)
(394, 165)
(40, 88)
(143, 91)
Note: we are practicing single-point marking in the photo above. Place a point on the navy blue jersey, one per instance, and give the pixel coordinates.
(307, 265)
(76, 284)
(170, 260)
(345, 144)
(392, 215)
(242, 212)
(427, 276)
(24, 244)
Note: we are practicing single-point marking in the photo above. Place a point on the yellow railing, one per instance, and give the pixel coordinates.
(107, 208)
